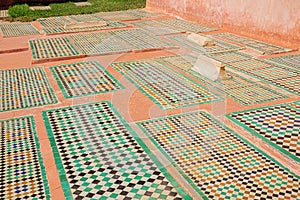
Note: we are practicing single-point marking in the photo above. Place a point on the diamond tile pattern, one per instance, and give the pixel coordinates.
(292, 61)
(279, 125)
(218, 163)
(99, 157)
(22, 173)
(84, 78)
(13, 30)
(165, 87)
(24, 88)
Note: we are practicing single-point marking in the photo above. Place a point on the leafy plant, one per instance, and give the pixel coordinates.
(18, 10)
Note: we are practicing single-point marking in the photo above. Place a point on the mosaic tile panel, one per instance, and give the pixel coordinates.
(24, 88)
(249, 65)
(292, 61)
(220, 46)
(60, 30)
(13, 30)
(255, 44)
(52, 48)
(274, 72)
(165, 87)
(229, 57)
(22, 173)
(217, 162)
(242, 90)
(84, 18)
(142, 13)
(138, 39)
(183, 62)
(100, 157)
(98, 43)
(278, 125)
(84, 78)
(155, 27)
(185, 26)
(116, 16)
(53, 22)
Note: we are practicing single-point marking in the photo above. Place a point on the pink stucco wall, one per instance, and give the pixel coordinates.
(276, 21)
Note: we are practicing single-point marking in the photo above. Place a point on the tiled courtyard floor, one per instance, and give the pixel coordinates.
(118, 112)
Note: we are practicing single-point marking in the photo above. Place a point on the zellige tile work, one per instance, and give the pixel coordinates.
(25, 88)
(292, 61)
(255, 44)
(220, 46)
(99, 157)
(49, 48)
(278, 125)
(84, 78)
(22, 173)
(164, 86)
(154, 27)
(217, 162)
(53, 22)
(98, 43)
(137, 39)
(13, 30)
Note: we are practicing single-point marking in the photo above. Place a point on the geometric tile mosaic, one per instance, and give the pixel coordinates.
(292, 61)
(25, 88)
(219, 46)
(99, 157)
(164, 86)
(60, 30)
(116, 16)
(98, 43)
(185, 26)
(84, 18)
(154, 27)
(142, 13)
(242, 90)
(22, 173)
(217, 162)
(255, 44)
(84, 78)
(13, 30)
(53, 22)
(249, 65)
(278, 125)
(138, 39)
(183, 62)
(229, 57)
(52, 48)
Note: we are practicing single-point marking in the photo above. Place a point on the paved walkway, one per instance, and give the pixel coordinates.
(115, 111)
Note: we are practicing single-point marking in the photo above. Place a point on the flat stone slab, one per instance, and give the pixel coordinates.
(83, 4)
(39, 7)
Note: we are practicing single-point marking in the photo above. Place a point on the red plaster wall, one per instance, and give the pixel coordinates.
(276, 21)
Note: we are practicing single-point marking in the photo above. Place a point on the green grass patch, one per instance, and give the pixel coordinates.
(61, 9)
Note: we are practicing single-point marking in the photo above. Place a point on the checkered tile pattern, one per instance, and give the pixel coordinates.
(84, 18)
(52, 48)
(185, 26)
(116, 16)
(183, 41)
(98, 43)
(138, 39)
(249, 65)
(229, 57)
(22, 174)
(99, 157)
(183, 62)
(219, 163)
(60, 30)
(292, 61)
(279, 125)
(142, 13)
(53, 22)
(13, 30)
(154, 27)
(24, 88)
(164, 86)
(255, 44)
(84, 78)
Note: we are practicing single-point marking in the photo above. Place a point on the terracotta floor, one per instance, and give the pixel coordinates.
(191, 166)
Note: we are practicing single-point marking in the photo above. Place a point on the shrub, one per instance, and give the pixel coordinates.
(18, 10)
